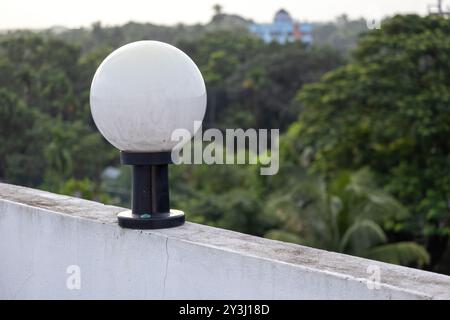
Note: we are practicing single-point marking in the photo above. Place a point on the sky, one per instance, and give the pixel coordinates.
(16, 14)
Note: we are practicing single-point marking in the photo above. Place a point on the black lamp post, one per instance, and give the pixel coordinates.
(150, 204)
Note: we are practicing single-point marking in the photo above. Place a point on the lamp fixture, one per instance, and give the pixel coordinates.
(140, 94)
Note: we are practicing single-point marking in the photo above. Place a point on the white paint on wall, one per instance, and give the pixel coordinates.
(43, 235)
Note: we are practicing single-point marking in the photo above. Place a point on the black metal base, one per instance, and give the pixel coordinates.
(146, 221)
(145, 158)
(150, 205)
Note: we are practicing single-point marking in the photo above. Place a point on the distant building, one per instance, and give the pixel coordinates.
(283, 29)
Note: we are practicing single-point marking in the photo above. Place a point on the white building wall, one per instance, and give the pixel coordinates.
(42, 236)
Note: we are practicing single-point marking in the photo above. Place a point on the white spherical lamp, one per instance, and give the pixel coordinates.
(140, 94)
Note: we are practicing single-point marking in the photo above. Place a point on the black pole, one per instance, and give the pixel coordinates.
(141, 190)
(150, 204)
(150, 189)
(159, 175)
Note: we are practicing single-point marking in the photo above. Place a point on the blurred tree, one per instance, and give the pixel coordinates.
(83, 189)
(347, 215)
(251, 83)
(231, 200)
(75, 152)
(265, 85)
(389, 110)
(218, 54)
(49, 136)
(21, 141)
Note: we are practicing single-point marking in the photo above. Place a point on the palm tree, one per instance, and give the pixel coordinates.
(217, 9)
(347, 215)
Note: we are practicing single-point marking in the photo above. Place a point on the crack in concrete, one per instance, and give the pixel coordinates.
(167, 266)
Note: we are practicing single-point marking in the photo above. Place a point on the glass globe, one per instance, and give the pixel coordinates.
(144, 91)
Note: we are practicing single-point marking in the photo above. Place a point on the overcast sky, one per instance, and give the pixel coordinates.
(76, 13)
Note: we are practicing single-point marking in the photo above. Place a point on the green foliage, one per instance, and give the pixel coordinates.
(221, 195)
(47, 134)
(75, 151)
(252, 84)
(84, 188)
(404, 253)
(21, 140)
(265, 85)
(349, 214)
(388, 110)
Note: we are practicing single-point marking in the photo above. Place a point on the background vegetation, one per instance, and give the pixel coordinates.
(364, 116)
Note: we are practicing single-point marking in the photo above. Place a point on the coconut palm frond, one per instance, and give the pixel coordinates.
(360, 236)
(403, 253)
(383, 205)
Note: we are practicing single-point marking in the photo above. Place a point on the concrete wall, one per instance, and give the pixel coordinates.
(50, 244)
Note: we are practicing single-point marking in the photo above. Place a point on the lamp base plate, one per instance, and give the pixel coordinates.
(172, 219)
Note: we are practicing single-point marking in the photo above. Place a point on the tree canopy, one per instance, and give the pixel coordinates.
(388, 110)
